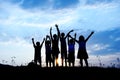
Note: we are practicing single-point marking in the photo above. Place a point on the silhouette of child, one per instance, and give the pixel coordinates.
(64, 47)
(48, 51)
(71, 50)
(55, 42)
(37, 49)
(82, 53)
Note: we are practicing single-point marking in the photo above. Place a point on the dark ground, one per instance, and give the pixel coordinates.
(59, 73)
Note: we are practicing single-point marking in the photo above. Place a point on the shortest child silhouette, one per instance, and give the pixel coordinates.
(37, 49)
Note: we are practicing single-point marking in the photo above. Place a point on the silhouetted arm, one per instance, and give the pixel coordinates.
(68, 40)
(51, 33)
(46, 39)
(42, 42)
(74, 39)
(58, 31)
(89, 36)
(33, 42)
(68, 33)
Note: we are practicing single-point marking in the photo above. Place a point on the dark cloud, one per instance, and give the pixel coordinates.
(92, 2)
(59, 4)
(46, 4)
(55, 4)
(30, 4)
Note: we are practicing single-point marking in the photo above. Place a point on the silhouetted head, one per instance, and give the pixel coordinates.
(71, 40)
(55, 36)
(62, 34)
(38, 43)
(81, 38)
(47, 36)
(48, 42)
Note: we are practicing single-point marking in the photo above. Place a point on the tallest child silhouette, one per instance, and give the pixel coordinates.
(55, 42)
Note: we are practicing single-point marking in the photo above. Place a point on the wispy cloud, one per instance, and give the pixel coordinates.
(98, 47)
(18, 16)
(117, 39)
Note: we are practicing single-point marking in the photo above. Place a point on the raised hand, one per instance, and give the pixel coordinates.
(50, 28)
(56, 25)
(92, 32)
(71, 30)
(75, 34)
(32, 39)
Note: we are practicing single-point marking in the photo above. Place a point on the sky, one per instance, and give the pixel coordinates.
(22, 20)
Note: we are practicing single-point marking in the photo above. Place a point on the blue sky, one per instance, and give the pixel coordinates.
(20, 20)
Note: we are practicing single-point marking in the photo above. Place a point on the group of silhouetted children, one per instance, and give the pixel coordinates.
(67, 51)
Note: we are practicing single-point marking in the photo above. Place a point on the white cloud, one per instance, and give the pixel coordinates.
(98, 47)
(22, 50)
(45, 18)
(105, 60)
(17, 16)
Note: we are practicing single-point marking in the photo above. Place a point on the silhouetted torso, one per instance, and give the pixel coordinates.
(82, 53)
(37, 52)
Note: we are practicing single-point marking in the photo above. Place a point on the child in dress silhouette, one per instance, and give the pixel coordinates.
(82, 53)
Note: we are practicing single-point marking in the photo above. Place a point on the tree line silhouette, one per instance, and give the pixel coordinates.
(67, 55)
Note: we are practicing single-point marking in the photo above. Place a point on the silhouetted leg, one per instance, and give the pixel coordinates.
(49, 64)
(62, 61)
(65, 62)
(66, 59)
(40, 63)
(73, 63)
(46, 64)
(69, 64)
(53, 61)
(81, 62)
(86, 62)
